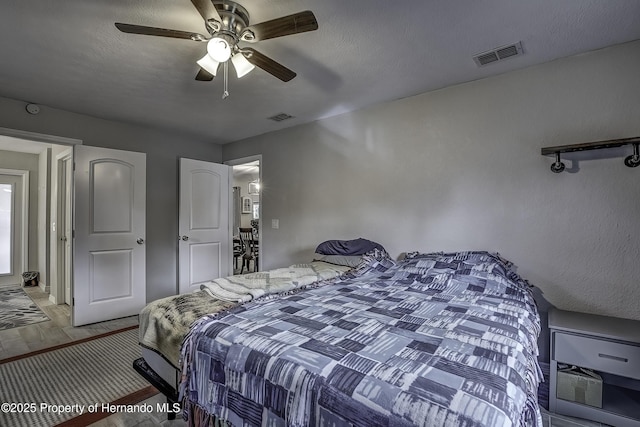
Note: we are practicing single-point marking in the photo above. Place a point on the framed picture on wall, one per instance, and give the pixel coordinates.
(247, 205)
(254, 187)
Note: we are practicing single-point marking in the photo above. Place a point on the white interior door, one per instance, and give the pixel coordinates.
(10, 229)
(109, 251)
(204, 251)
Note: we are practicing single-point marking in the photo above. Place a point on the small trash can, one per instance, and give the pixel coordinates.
(30, 278)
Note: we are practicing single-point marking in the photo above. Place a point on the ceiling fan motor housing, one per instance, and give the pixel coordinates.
(234, 17)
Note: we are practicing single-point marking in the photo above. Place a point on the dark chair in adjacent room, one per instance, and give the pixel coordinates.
(250, 243)
(238, 251)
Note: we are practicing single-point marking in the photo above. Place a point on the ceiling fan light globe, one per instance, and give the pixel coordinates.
(242, 66)
(208, 64)
(219, 49)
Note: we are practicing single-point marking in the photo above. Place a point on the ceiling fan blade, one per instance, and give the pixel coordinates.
(204, 76)
(268, 64)
(300, 22)
(163, 32)
(207, 10)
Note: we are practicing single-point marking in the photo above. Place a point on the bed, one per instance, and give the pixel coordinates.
(164, 323)
(441, 339)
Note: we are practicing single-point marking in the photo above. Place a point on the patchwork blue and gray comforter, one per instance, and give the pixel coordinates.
(433, 340)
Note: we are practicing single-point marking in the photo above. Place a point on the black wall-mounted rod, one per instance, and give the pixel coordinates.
(557, 167)
(598, 145)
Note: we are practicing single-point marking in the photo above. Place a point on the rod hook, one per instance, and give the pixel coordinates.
(558, 166)
(633, 160)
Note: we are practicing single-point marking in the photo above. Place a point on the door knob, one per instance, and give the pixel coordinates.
(140, 241)
(185, 238)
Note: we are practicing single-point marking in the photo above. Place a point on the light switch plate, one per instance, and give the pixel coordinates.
(275, 223)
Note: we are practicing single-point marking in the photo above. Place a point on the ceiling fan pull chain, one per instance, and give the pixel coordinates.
(225, 67)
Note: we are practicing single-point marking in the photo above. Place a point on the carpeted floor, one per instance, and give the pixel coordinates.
(95, 371)
(18, 309)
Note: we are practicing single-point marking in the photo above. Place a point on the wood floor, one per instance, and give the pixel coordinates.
(58, 330)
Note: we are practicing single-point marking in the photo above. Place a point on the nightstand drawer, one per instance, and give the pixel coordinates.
(598, 354)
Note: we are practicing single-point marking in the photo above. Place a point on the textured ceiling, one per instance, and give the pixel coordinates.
(67, 54)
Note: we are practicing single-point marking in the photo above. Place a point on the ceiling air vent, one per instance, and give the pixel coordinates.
(280, 117)
(498, 54)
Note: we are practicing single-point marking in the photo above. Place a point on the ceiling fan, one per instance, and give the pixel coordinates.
(227, 23)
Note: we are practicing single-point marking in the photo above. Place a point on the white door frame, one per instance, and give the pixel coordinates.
(39, 137)
(64, 203)
(241, 161)
(23, 175)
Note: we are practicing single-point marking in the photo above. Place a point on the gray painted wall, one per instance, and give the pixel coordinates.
(163, 150)
(460, 169)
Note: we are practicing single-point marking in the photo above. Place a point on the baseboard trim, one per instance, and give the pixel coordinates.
(43, 287)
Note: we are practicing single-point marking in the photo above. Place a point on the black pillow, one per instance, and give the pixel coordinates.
(347, 247)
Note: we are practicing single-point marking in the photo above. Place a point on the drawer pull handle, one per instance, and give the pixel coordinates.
(608, 356)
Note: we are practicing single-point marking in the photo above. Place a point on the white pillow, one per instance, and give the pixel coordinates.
(345, 260)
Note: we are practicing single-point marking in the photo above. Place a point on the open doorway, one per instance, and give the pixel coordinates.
(36, 158)
(246, 210)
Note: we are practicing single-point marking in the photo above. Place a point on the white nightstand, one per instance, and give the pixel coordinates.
(607, 345)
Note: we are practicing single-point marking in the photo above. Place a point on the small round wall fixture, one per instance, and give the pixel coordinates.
(633, 160)
(33, 109)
